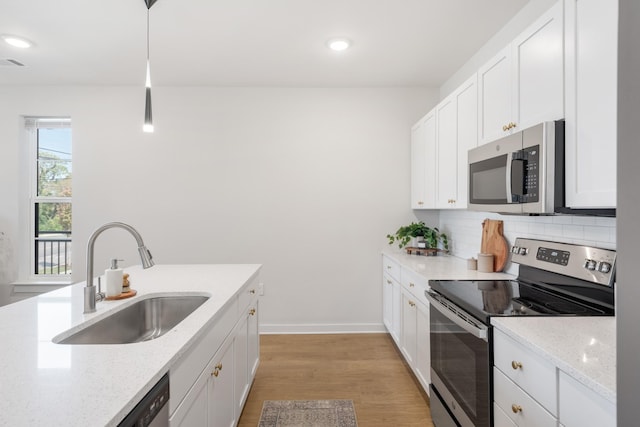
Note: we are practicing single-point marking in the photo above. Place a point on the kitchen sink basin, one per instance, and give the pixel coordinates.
(145, 320)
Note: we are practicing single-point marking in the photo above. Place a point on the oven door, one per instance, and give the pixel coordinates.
(460, 367)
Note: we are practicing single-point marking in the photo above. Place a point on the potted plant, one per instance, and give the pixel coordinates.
(431, 236)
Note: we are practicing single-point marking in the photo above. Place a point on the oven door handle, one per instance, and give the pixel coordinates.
(478, 331)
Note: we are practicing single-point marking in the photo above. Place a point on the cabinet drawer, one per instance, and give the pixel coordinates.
(500, 419)
(529, 371)
(580, 406)
(391, 267)
(414, 283)
(521, 408)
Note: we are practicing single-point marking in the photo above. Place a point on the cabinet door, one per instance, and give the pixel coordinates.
(446, 153)
(387, 301)
(538, 71)
(494, 97)
(591, 40)
(396, 313)
(580, 406)
(254, 339)
(220, 387)
(241, 362)
(408, 331)
(193, 411)
(423, 162)
(423, 346)
(467, 126)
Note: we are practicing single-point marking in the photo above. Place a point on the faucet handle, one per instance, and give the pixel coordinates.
(100, 295)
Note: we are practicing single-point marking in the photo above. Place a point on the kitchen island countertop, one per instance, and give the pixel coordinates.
(47, 384)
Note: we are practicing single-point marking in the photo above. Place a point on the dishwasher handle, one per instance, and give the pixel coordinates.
(457, 316)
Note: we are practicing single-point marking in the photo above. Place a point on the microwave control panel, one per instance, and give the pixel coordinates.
(525, 173)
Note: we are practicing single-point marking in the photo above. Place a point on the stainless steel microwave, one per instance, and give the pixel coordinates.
(516, 174)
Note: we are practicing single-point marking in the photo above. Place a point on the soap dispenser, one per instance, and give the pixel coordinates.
(113, 278)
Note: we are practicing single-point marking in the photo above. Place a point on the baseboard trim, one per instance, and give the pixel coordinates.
(347, 328)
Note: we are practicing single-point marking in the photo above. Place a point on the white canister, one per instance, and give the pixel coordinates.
(485, 263)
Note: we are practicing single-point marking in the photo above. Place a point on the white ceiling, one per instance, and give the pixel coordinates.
(247, 42)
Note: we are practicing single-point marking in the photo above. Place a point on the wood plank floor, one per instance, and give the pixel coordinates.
(366, 368)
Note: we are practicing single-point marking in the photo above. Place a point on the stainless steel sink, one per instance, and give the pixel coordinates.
(145, 320)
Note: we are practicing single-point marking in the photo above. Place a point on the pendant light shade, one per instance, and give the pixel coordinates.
(148, 118)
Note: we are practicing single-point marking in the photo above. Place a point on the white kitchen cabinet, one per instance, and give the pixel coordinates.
(591, 48)
(246, 354)
(423, 162)
(408, 332)
(414, 340)
(212, 381)
(406, 316)
(447, 153)
(456, 135)
(391, 297)
(220, 387)
(422, 367)
(580, 406)
(494, 96)
(524, 83)
(524, 384)
(518, 405)
(530, 371)
(531, 390)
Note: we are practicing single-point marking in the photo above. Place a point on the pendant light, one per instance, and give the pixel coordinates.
(148, 120)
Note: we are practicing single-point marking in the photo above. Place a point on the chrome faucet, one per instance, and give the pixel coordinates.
(90, 295)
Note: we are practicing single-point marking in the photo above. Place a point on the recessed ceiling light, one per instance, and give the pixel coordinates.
(339, 44)
(16, 41)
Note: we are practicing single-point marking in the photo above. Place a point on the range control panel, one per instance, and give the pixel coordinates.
(596, 265)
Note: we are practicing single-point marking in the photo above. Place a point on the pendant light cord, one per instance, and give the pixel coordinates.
(148, 12)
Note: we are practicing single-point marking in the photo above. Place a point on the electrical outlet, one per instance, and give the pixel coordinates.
(261, 289)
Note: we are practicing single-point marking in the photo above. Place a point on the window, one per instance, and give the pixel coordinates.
(50, 196)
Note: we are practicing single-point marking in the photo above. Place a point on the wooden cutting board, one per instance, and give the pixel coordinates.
(493, 242)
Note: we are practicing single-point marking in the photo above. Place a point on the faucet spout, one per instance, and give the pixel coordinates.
(90, 289)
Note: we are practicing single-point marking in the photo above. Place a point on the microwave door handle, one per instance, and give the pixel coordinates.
(476, 331)
(509, 196)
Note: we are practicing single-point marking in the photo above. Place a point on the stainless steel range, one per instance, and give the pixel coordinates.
(555, 279)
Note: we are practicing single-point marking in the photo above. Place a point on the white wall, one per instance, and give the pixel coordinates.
(306, 182)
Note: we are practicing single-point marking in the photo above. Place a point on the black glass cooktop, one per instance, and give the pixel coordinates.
(486, 298)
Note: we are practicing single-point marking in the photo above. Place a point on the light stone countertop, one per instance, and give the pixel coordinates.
(442, 267)
(583, 347)
(47, 384)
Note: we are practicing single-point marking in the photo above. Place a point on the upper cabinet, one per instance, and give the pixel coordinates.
(564, 65)
(457, 125)
(591, 47)
(423, 162)
(439, 145)
(523, 84)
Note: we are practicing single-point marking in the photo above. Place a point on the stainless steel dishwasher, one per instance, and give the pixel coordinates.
(153, 409)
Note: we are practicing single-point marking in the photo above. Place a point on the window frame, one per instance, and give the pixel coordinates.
(32, 125)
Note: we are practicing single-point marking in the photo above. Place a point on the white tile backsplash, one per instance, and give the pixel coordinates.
(464, 229)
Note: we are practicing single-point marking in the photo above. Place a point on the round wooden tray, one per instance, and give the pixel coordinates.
(123, 295)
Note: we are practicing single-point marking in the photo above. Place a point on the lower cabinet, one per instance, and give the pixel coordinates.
(405, 313)
(530, 391)
(218, 395)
